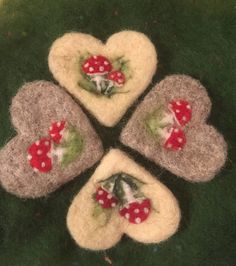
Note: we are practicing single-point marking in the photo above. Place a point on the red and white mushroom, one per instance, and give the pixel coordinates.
(117, 77)
(181, 111)
(175, 140)
(56, 131)
(39, 155)
(105, 198)
(136, 212)
(96, 65)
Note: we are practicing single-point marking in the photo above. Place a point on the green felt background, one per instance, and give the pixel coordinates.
(192, 37)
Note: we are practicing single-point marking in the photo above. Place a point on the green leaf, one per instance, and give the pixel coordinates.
(152, 122)
(102, 215)
(73, 146)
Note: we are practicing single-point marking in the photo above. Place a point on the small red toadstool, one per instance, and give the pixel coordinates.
(56, 131)
(105, 199)
(136, 212)
(181, 111)
(117, 77)
(175, 140)
(96, 65)
(38, 155)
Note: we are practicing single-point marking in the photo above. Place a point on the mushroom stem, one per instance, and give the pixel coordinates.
(110, 85)
(167, 119)
(163, 132)
(128, 192)
(99, 81)
(59, 152)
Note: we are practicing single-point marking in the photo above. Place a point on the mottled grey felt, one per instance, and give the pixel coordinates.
(33, 109)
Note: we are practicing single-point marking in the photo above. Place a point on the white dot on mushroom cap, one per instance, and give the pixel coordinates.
(50, 128)
(137, 220)
(106, 63)
(180, 140)
(35, 170)
(95, 57)
(113, 204)
(180, 148)
(43, 164)
(184, 118)
(127, 215)
(39, 152)
(86, 65)
(112, 76)
(101, 201)
(178, 103)
(169, 145)
(177, 111)
(53, 135)
(58, 124)
(188, 106)
(100, 192)
(146, 210)
(176, 130)
(118, 74)
(101, 68)
(29, 157)
(136, 211)
(109, 196)
(37, 142)
(120, 80)
(91, 69)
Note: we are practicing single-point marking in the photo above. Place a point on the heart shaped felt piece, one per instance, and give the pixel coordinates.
(122, 198)
(54, 143)
(169, 127)
(105, 78)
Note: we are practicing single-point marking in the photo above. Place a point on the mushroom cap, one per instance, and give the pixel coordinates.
(181, 110)
(176, 139)
(117, 77)
(105, 199)
(56, 130)
(38, 155)
(96, 65)
(136, 212)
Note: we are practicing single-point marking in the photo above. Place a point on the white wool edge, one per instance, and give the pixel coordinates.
(160, 225)
(135, 46)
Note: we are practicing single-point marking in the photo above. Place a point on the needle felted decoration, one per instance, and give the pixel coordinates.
(122, 198)
(55, 141)
(106, 78)
(169, 127)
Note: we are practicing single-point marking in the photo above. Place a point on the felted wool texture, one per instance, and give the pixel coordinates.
(205, 152)
(33, 109)
(159, 226)
(63, 62)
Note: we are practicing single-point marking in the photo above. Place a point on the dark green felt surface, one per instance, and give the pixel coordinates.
(192, 37)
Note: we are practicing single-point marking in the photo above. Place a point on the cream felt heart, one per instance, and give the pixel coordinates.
(105, 78)
(106, 208)
(54, 143)
(170, 128)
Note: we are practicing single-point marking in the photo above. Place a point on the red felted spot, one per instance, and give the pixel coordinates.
(56, 130)
(136, 212)
(105, 199)
(96, 65)
(38, 155)
(181, 110)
